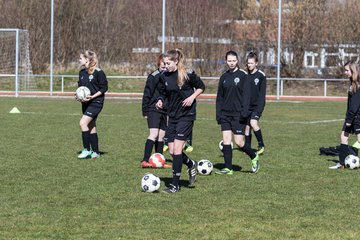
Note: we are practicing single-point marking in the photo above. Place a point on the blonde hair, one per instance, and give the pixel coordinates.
(355, 75)
(93, 60)
(177, 55)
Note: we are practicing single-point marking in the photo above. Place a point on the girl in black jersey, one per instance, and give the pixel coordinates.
(156, 118)
(352, 118)
(180, 89)
(232, 111)
(93, 78)
(257, 80)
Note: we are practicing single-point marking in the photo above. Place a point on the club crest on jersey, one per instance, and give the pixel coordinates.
(256, 81)
(91, 77)
(236, 81)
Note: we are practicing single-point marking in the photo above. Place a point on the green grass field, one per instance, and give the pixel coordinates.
(47, 193)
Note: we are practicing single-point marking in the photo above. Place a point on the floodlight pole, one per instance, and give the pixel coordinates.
(17, 64)
(278, 53)
(163, 27)
(51, 47)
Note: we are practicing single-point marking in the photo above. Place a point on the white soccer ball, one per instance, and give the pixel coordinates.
(221, 145)
(82, 93)
(157, 160)
(150, 183)
(204, 167)
(352, 162)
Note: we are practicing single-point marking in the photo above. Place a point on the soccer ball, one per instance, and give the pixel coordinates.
(352, 162)
(157, 160)
(221, 145)
(204, 167)
(82, 93)
(150, 183)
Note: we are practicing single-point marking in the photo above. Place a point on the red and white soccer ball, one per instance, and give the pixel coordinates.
(150, 183)
(82, 93)
(157, 160)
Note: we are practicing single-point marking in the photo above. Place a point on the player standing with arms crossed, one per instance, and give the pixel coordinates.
(180, 89)
(95, 79)
(156, 118)
(232, 111)
(352, 118)
(257, 80)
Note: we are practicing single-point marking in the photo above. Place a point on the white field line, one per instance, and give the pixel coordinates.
(202, 119)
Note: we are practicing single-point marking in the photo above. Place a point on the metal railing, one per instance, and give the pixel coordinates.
(15, 88)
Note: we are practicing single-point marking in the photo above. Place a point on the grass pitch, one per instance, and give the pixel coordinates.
(47, 193)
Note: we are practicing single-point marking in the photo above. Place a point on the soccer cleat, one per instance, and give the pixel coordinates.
(192, 174)
(172, 189)
(84, 154)
(260, 150)
(225, 171)
(255, 164)
(167, 166)
(189, 148)
(356, 145)
(94, 154)
(145, 164)
(165, 148)
(337, 166)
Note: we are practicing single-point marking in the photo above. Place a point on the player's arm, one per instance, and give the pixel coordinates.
(219, 100)
(147, 94)
(354, 106)
(198, 85)
(262, 97)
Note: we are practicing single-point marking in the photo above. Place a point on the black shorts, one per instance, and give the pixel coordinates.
(179, 130)
(157, 120)
(354, 128)
(235, 124)
(255, 116)
(92, 109)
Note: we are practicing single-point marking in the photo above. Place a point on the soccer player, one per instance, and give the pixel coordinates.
(257, 80)
(352, 118)
(95, 79)
(180, 89)
(156, 118)
(232, 111)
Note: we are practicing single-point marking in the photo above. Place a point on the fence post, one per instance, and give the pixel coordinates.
(325, 88)
(62, 83)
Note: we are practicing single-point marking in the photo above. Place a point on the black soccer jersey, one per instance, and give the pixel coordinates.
(175, 95)
(96, 81)
(151, 93)
(233, 96)
(353, 105)
(258, 91)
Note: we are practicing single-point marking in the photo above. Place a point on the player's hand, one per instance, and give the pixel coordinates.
(87, 99)
(188, 101)
(159, 104)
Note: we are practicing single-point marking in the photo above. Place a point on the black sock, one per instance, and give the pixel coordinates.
(248, 139)
(246, 149)
(159, 146)
(148, 149)
(86, 139)
(94, 142)
(176, 169)
(227, 150)
(259, 138)
(343, 152)
(187, 161)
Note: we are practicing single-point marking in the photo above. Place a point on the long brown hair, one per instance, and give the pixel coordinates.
(355, 74)
(177, 55)
(93, 60)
